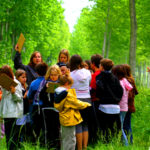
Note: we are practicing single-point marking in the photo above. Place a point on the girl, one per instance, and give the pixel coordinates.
(35, 59)
(63, 57)
(131, 106)
(21, 76)
(68, 105)
(64, 69)
(50, 115)
(82, 78)
(119, 72)
(11, 107)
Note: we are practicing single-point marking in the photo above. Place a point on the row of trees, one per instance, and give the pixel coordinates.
(116, 29)
(42, 23)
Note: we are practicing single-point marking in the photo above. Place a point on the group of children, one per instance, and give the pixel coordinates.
(93, 98)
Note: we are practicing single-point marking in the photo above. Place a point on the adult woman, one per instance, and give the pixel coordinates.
(35, 59)
(82, 78)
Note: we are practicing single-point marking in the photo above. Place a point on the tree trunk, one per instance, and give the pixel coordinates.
(108, 44)
(1, 31)
(13, 43)
(133, 23)
(106, 30)
(6, 31)
(104, 44)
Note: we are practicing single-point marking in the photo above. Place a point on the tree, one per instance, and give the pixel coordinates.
(133, 29)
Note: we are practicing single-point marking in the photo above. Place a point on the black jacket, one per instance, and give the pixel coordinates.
(31, 74)
(109, 90)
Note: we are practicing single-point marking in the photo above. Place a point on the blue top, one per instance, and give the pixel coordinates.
(33, 89)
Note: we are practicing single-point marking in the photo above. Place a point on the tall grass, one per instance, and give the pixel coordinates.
(140, 129)
(140, 126)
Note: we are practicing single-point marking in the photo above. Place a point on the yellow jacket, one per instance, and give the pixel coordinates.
(68, 108)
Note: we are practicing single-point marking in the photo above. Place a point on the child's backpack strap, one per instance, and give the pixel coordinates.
(36, 96)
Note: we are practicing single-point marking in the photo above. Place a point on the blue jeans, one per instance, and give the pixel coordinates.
(127, 126)
(122, 117)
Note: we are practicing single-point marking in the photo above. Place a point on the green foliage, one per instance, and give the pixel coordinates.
(42, 23)
(111, 17)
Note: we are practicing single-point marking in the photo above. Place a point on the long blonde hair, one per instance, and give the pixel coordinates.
(54, 68)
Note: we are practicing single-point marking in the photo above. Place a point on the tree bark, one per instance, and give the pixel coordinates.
(106, 30)
(133, 35)
(108, 44)
(1, 32)
(104, 44)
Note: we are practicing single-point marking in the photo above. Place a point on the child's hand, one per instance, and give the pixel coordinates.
(12, 89)
(47, 85)
(25, 95)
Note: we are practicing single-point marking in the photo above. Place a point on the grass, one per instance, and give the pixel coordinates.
(140, 128)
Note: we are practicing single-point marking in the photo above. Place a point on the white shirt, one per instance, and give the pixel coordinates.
(82, 79)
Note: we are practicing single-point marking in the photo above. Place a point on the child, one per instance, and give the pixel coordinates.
(131, 108)
(51, 116)
(37, 104)
(119, 72)
(81, 78)
(87, 64)
(64, 68)
(68, 106)
(109, 93)
(23, 122)
(11, 108)
(63, 57)
(22, 78)
(95, 62)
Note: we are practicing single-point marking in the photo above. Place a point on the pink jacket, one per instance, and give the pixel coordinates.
(124, 100)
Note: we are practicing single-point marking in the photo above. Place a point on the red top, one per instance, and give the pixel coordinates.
(93, 85)
(93, 80)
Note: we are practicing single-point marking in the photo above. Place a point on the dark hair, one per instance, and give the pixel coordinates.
(107, 64)
(7, 70)
(75, 62)
(119, 72)
(95, 59)
(128, 73)
(88, 62)
(61, 64)
(127, 70)
(31, 63)
(64, 79)
(41, 69)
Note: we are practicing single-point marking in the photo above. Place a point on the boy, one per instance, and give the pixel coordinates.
(68, 105)
(109, 92)
(37, 104)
